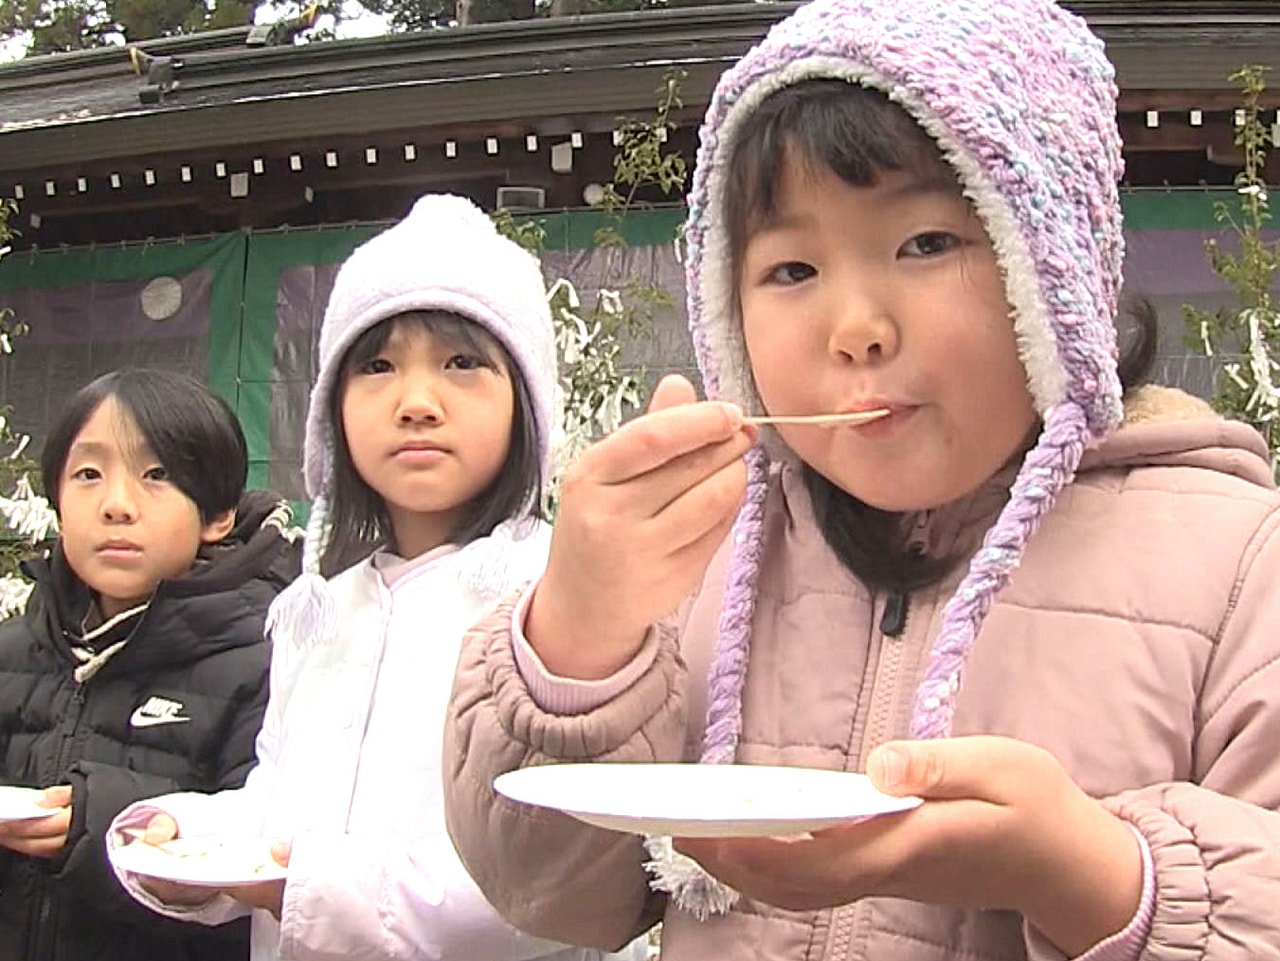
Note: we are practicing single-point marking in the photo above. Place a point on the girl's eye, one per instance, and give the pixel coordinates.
(379, 365)
(156, 474)
(86, 474)
(930, 244)
(792, 272)
(465, 362)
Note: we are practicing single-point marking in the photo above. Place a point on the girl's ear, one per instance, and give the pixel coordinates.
(218, 528)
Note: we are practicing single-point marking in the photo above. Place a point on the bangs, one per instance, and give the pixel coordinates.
(171, 417)
(458, 333)
(851, 130)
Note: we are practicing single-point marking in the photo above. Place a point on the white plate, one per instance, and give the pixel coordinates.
(206, 862)
(702, 800)
(19, 804)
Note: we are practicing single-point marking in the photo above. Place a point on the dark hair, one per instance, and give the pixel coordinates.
(853, 131)
(190, 429)
(856, 133)
(360, 519)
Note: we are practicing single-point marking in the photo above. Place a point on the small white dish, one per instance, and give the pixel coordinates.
(702, 800)
(215, 862)
(19, 804)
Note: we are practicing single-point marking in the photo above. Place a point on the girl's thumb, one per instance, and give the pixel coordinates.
(58, 796)
(910, 767)
(887, 767)
(964, 767)
(672, 391)
(160, 829)
(281, 850)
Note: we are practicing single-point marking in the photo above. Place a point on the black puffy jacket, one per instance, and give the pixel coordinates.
(176, 708)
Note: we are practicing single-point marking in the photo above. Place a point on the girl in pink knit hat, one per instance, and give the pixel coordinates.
(1041, 602)
(427, 445)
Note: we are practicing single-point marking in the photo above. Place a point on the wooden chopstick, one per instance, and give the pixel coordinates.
(834, 420)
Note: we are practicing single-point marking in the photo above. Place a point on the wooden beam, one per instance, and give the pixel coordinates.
(1184, 100)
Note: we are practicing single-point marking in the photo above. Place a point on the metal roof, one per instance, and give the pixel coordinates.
(85, 106)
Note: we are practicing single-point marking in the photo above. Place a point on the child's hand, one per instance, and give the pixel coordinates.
(268, 895)
(160, 829)
(41, 837)
(641, 514)
(1002, 826)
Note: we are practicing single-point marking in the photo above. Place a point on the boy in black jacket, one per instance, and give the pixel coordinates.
(140, 666)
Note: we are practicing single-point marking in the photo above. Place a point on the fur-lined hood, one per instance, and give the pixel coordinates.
(1164, 426)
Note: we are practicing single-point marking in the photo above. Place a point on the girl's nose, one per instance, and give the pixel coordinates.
(419, 406)
(863, 332)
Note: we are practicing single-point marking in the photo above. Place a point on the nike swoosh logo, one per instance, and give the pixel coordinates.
(138, 719)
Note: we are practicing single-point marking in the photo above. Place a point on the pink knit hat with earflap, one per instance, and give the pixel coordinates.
(1021, 101)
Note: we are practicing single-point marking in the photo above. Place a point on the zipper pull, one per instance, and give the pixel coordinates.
(894, 618)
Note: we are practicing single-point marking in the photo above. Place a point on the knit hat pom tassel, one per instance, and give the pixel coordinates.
(1048, 468)
(305, 611)
(691, 888)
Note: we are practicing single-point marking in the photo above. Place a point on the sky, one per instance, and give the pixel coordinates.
(357, 22)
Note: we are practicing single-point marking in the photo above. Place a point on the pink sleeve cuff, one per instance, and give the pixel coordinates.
(1126, 945)
(565, 695)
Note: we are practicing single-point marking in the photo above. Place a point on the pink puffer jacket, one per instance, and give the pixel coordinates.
(1138, 642)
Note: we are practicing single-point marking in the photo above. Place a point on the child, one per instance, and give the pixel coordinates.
(908, 206)
(427, 445)
(140, 665)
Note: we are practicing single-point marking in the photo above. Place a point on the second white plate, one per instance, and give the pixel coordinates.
(702, 800)
(203, 861)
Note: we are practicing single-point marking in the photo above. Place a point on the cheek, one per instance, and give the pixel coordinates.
(502, 424)
(73, 522)
(1009, 380)
(765, 352)
(1002, 401)
(355, 426)
(349, 412)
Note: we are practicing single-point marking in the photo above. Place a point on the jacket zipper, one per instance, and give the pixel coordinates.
(894, 619)
(893, 624)
(70, 728)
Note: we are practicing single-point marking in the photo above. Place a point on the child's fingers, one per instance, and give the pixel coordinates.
(55, 825)
(697, 552)
(38, 847)
(672, 391)
(280, 851)
(170, 892)
(708, 505)
(649, 442)
(654, 493)
(160, 828)
(268, 895)
(38, 837)
(58, 796)
(996, 769)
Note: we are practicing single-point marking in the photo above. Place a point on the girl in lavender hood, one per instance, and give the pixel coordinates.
(426, 450)
(1049, 611)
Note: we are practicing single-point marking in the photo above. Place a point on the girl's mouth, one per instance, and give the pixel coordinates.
(420, 454)
(885, 427)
